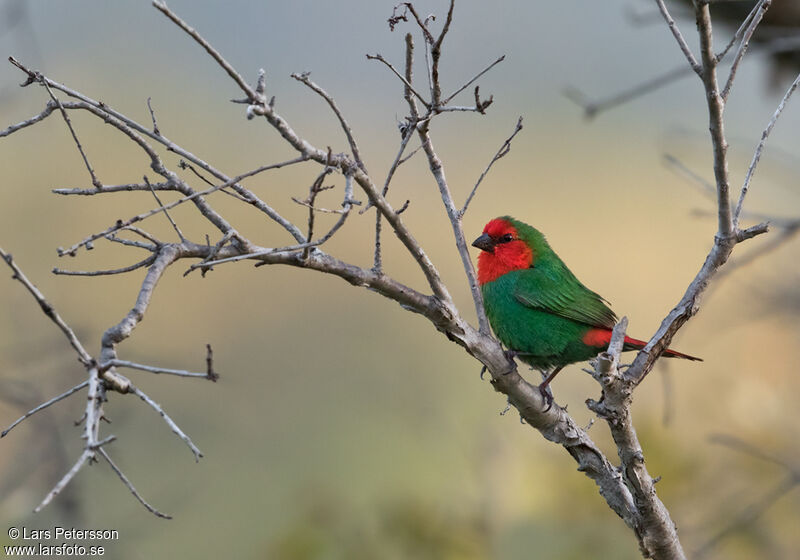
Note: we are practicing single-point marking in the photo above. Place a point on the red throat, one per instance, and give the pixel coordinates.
(514, 255)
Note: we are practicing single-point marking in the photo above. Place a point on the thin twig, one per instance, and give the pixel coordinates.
(151, 369)
(213, 254)
(95, 181)
(130, 486)
(65, 480)
(757, 154)
(504, 149)
(153, 118)
(48, 110)
(145, 262)
(676, 165)
(380, 58)
(472, 81)
(128, 187)
(139, 217)
(48, 309)
(755, 16)
(210, 373)
(436, 53)
(347, 204)
(716, 119)
(243, 85)
(171, 423)
(132, 243)
(673, 27)
(44, 405)
(593, 108)
(161, 204)
(348, 132)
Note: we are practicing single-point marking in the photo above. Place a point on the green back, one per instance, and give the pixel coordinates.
(544, 310)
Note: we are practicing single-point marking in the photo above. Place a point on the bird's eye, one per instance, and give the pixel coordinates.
(506, 238)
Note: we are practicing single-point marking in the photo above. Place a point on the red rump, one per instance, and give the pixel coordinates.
(601, 337)
(514, 255)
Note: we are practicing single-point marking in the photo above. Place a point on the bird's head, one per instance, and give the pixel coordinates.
(505, 246)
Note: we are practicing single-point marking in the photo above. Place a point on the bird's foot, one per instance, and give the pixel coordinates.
(511, 354)
(547, 395)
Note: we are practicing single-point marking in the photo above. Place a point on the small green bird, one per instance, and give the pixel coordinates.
(536, 306)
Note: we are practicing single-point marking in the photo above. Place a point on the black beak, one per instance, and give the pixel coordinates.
(484, 243)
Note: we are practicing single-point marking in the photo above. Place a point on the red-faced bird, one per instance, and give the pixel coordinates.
(536, 306)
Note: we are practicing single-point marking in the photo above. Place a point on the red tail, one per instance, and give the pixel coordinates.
(669, 353)
(601, 337)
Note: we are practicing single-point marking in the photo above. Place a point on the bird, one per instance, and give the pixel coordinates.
(537, 307)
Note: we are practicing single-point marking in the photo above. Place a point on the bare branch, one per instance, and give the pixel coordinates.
(48, 309)
(676, 165)
(657, 534)
(44, 405)
(128, 126)
(504, 149)
(152, 369)
(592, 108)
(130, 487)
(436, 53)
(48, 110)
(469, 83)
(243, 85)
(191, 197)
(673, 27)
(265, 252)
(64, 480)
(161, 205)
(757, 154)
(716, 119)
(95, 181)
(380, 58)
(754, 18)
(129, 187)
(153, 118)
(210, 373)
(170, 422)
(437, 170)
(213, 254)
(304, 78)
(145, 262)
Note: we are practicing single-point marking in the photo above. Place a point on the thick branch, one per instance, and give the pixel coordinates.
(654, 529)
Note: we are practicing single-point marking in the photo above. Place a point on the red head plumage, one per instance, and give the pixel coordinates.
(502, 250)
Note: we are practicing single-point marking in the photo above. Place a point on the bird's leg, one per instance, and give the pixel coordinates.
(511, 354)
(544, 387)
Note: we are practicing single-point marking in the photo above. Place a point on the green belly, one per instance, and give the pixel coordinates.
(542, 339)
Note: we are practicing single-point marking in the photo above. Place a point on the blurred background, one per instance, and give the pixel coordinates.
(343, 426)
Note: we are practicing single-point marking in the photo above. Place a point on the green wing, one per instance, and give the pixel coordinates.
(551, 287)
